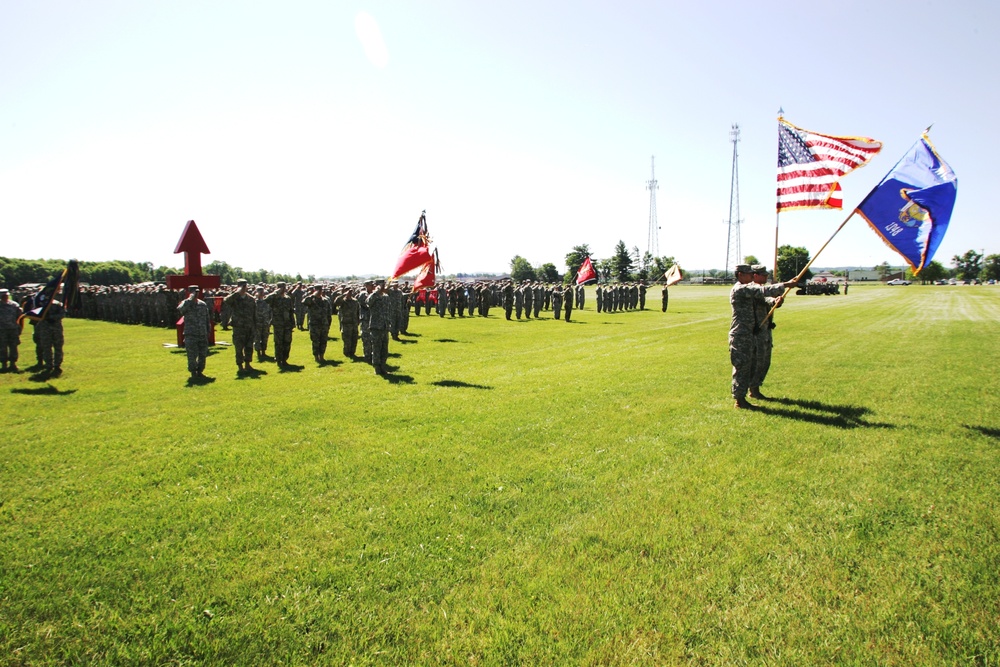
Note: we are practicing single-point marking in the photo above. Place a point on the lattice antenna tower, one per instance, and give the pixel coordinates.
(733, 253)
(653, 240)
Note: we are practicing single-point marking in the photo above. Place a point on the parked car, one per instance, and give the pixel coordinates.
(898, 281)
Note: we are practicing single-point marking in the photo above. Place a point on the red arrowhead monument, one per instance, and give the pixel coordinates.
(193, 246)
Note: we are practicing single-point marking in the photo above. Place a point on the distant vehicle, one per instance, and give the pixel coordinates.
(941, 282)
(898, 281)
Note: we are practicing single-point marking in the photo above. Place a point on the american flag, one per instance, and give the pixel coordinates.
(810, 166)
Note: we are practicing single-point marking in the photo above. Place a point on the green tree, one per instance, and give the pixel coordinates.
(883, 270)
(520, 269)
(576, 256)
(621, 263)
(751, 259)
(604, 268)
(661, 265)
(991, 267)
(790, 262)
(548, 273)
(933, 272)
(968, 266)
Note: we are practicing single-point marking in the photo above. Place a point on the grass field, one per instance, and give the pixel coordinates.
(518, 493)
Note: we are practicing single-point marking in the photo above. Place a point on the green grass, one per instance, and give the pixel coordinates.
(518, 493)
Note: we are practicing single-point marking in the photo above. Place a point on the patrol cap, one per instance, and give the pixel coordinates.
(241, 281)
(282, 283)
(4, 291)
(759, 268)
(743, 268)
(193, 288)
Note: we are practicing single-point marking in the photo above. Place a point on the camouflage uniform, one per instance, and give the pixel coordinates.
(665, 299)
(557, 302)
(508, 299)
(283, 321)
(528, 297)
(197, 325)
(349, 314)
(10, 333)
(742, 340)
(366, 334)
(50, 336)
(262, 331)
(568, 302)
(378, 309)
(243, 316)
(320, 312)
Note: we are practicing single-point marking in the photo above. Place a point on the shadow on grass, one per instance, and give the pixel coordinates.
(47, 390)
(411, 335)
(332, 363)
(395, 378)
(199, 381)
(406, 342)
(252, 374)
(460, 384)
(446, 340)
(985, 430)
(840, 416)
(290, 368)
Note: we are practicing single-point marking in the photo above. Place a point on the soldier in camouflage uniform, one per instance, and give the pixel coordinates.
(243, 316)
(378, 309)
(508, 299)
(349, 315)
(262, 329)
(283, 320)
(10, 332)
(568, 302)
(765, 341)
(528, 297)
(320, 312)
(197, 327)
(742, 336)
(557, 299)
(366, 337)
(395, 310)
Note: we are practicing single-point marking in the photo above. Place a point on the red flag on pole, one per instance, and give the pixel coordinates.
(586, 272)
(417, 250)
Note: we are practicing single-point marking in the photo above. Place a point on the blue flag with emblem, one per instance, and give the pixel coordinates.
(911, 208)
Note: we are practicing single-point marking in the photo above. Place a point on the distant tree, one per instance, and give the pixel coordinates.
(790, 262)
(520, 269)
(933, 272)
(969, 265)
(575, 257)
(991, 268)
(605, 269)
(621, 263)
(751, 259)
(660, 266)
(548, 273)
(882, 269)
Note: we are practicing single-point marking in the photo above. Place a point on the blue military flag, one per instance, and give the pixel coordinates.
(911, 208)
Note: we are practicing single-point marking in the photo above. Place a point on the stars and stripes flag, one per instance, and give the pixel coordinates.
(810, 166)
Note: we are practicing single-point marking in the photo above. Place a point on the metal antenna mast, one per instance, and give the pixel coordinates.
(733, 256)
(653, 241)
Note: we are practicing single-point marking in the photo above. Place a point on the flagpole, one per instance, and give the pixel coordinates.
(810, 263)
(775, 265)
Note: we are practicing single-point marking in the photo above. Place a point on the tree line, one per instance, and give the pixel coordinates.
(624, 266)
(14, 272)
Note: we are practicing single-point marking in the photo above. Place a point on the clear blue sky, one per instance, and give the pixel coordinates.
(308, 136)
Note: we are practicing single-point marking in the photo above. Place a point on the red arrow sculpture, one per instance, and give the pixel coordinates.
(193, 246)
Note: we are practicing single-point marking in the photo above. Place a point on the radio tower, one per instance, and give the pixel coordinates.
(653, 241)
(733, 256)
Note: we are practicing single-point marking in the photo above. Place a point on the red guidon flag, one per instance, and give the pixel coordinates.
(428, 274)
(417, 250)
(586, 272)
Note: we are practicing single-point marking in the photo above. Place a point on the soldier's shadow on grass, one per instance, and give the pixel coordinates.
(406, 342)
(840, 416)
(252, 374)
(47, 390)
(459, 384)
(290, 368)
(199, 381)
(396, 378)
(411, 335)
(985, 430)
(446, 340)
(332, 363)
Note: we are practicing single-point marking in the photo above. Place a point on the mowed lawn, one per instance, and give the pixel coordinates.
(518, 493)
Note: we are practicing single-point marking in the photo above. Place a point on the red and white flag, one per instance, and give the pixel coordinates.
(810, 166)
(586, 272)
